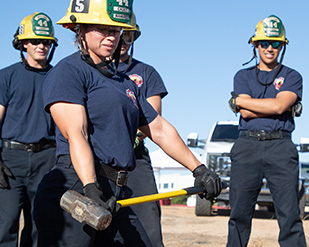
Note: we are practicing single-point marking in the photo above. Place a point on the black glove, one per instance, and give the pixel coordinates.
(4, 174)
(232, 102)
(208, 180)
(94, 192)
(297, 109)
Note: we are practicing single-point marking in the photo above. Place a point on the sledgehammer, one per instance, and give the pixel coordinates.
(84, 210)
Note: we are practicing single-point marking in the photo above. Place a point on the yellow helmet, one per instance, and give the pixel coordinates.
(35, 26)
(270, 28)
(105, 12)
(134, 27)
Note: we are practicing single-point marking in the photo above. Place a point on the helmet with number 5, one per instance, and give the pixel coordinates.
(104, 12)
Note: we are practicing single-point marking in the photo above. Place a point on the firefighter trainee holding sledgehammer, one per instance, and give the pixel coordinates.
(97, 112)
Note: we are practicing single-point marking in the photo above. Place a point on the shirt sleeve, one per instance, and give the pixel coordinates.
(3, 87)
(241, 83)
(293, 83)
(147, 113)
(64, 83)
(155, 84)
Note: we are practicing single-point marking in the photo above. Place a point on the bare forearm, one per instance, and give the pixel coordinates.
(82, 159)
(268, 106)
(166, 136)
(2, 112)
(246, 114)
(71, 120)
(176, 148)
(264, 106)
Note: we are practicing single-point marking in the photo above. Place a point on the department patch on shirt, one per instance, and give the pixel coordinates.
(278, 83)
(137, 79)
(131, 95)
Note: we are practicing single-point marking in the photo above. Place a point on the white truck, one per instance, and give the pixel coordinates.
(215, 156)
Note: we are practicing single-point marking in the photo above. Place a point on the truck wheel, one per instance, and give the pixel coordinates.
(302, 203)
(203, 207)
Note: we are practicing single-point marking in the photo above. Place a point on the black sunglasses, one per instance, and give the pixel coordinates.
(45, 42)
(274, 44)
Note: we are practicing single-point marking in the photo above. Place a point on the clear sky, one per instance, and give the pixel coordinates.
(196, 46)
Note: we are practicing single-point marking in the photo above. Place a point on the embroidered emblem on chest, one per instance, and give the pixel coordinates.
(131, 95)
(278, 83)
(137, 79)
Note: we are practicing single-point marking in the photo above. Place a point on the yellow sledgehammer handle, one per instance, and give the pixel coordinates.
(160, 196)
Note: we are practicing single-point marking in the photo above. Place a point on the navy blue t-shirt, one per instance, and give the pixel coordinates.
(21, 94)
(245, 82)
(146, 78)
(114, 106)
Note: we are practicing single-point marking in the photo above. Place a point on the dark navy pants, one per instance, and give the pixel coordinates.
(142, 182)
(277, 161)
(28, 169)
(57, 228)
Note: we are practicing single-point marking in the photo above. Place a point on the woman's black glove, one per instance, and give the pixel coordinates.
(4, 174)
(297, 109)
(94, 192)
(232, 102)
(208, 180)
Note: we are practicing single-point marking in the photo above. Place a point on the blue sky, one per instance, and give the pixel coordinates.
(196, 46)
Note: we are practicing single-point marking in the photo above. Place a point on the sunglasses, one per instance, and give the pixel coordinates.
(274, 44)
(45, 42)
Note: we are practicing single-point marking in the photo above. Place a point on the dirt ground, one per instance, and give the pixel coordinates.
(181, 228)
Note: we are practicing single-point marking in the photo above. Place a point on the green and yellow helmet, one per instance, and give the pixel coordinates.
(104, 12)
(270, 28)
(134, 28)
(35, 26)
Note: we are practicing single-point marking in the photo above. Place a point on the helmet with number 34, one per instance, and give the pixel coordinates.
(270, 28)
(104, 12)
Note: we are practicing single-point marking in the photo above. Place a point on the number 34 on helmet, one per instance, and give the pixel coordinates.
(270, 28)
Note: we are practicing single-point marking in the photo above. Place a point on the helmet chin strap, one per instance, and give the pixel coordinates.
(131, 43)
(54, 44)
(256, 66)
(276, 73)
(253, 57)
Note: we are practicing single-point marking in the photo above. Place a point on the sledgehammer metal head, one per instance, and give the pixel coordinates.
(84, 210)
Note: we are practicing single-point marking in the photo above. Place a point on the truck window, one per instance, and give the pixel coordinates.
(305, 168)
(228, 133)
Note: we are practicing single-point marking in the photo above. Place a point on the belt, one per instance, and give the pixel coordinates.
(262, 135)
(29, 147)
(120, 177)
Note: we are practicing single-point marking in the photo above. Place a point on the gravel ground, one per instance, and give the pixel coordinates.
(181, 228)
